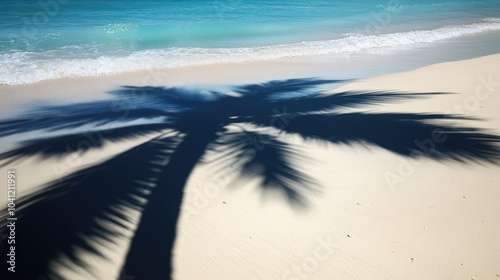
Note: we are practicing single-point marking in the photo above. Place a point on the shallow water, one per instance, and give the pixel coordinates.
(50, 39)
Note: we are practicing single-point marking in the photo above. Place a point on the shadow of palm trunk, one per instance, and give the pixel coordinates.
(82, 212)
(150, 254)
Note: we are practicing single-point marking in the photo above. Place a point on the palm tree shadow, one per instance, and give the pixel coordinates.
(67, 217)
(74, 214)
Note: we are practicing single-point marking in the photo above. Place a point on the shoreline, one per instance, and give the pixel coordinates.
(359, 64)
(470, 43)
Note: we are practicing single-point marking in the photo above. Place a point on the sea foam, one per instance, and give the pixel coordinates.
(30, 67)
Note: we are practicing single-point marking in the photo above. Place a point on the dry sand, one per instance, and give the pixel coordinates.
(437, 220)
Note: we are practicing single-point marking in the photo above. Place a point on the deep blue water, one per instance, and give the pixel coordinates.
(49, 38)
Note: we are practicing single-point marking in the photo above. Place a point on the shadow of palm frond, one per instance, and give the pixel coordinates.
(243, 151)
(74, 214)
(69, 218)
(81, 142)
(406, 134)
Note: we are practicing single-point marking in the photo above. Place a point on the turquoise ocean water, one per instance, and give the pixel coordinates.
(47, 39)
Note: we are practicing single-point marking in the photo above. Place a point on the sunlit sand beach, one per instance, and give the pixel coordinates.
(172, 150)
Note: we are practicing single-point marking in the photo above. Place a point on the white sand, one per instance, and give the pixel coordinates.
(423, 217)
(439, 221)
